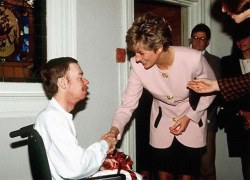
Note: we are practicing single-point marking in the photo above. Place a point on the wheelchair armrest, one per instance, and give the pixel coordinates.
(109, 177)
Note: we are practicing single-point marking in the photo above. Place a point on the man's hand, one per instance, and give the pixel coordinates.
(203, 85)
(111, 142)
(109, 164)
(111, 138)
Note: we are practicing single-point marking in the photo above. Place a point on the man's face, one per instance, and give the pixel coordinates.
(244, 44)
(199, 41)
(77, 84)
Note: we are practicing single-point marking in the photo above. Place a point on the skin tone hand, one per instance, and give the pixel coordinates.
(203, 85)
(109, 163)
(112, 134)
(114, 131)
(246, 116)
(111, 142)
(180, 125)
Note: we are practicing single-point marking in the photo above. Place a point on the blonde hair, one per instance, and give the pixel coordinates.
(150, 32)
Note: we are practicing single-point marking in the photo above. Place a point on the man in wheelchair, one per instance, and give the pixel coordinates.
(65, 85)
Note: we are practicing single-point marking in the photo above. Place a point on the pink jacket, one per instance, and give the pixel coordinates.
(169, 92)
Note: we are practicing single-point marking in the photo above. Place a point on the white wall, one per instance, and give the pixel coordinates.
(100, 29)
(102, 26)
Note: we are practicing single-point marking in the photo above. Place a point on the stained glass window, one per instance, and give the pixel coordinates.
(22, 40)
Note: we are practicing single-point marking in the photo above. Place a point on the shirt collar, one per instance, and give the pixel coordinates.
(53, 103)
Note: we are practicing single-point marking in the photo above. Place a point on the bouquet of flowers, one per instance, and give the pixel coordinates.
(120, 163)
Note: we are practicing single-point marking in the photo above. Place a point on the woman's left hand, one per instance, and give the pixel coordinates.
(180, 125)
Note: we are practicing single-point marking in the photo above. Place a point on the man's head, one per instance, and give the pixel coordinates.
(65, 77)
(200, 37)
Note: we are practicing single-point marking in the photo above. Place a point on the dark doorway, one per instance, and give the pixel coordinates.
(171, 12)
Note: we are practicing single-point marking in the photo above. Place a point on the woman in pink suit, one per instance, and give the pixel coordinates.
(177, 132)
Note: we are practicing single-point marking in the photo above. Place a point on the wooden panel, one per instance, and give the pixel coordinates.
(171, 12)
(15, 71)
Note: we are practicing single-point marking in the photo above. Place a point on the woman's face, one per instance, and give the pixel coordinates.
(244, 44)
(148, 58)
(238, 18)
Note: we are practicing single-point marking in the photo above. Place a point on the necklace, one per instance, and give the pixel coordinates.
(163, 73)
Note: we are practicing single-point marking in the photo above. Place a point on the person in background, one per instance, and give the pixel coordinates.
(238, 10)
(65, 85)
(236, 128)
(231, 87)
(177, 132)
(200, 37)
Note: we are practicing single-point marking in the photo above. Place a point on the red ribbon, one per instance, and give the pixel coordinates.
(122, 162)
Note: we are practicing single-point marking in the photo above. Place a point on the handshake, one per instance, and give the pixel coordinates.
(111, 138)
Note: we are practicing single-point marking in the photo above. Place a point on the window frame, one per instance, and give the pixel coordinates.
(27, 99)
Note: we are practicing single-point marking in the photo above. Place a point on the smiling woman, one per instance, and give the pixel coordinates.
(22, 40)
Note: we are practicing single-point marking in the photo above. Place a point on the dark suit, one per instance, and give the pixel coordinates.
(237, 136)
(214, 62)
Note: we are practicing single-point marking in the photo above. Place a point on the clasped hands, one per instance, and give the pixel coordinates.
(177, 129)
(111, 138)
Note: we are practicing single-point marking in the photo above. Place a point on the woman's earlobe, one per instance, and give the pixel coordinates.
(160, 49)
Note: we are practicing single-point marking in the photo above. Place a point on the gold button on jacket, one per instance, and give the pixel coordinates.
(164, 75)
(170, 97)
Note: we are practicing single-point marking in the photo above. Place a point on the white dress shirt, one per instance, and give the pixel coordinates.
(66, 158)
(245, 65)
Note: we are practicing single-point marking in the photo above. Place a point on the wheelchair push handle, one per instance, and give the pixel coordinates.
(23, 132)
(15, 133)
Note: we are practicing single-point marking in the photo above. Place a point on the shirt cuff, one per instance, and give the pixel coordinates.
(105, 145)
